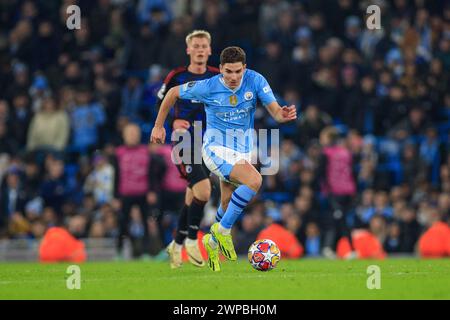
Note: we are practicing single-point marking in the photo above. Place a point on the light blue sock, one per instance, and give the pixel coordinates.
(219, 214)
(239, 200)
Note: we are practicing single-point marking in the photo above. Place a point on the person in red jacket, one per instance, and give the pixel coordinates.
(58, 245)
(435, 242)
(286, 241)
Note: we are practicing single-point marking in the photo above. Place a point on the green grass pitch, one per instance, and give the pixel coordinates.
(300, 279)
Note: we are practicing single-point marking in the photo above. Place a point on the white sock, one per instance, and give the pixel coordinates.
(178, 246)
(223, 230)
(190, 242)
(212, 243)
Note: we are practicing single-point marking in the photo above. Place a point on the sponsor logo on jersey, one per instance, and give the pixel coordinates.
(233, 100)
(162, 91)
(188, 85)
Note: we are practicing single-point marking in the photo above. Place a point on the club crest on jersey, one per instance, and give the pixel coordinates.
(233, 100)
(248, 95)
(189, 84)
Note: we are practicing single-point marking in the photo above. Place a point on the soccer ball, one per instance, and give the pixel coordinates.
(264, 255)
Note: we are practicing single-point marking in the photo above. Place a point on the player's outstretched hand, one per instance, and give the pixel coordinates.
(158, 135)
(288, 113)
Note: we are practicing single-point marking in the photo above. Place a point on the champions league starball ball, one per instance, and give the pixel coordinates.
(264, 255)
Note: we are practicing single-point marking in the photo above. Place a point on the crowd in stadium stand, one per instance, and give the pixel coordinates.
(67, 94)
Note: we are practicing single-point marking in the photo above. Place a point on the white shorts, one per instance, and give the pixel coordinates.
(220, 160)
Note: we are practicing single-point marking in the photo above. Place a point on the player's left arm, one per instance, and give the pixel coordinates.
(265, 94)
(282, 114)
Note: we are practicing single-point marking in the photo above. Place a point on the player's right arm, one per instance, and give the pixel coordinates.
(191, 90)
(170, 82)
(159, 133)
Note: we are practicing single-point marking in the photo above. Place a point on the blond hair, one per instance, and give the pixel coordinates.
(198, 34)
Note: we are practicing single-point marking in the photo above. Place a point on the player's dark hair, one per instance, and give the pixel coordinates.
(232, 55)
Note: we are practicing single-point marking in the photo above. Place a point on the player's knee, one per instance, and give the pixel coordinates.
(202, 190)
(255, 183)
(204, 195)
(188, 197)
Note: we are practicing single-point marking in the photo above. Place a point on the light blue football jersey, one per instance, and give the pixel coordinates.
(230, 113)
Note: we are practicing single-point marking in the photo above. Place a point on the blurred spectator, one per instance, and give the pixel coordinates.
(20, 82)
(100, 182)
(378, 227)
(39, 91)
(367, 106)
(411, 164)
(32, 177)
(172, 185)
(287, 243)
(7, 143)
(365, 245)
(34, 209)
(366, 176)
(108, 95)
(435, 242)
(409, 230)
(272, 64)
(20, 39)
(414, 125)
(86, 120)
(155, 12)
(13, 201)
(312, 242)
(213, 19)
(20, 118)
(144, 49)
(429, 154)
(311, 124)
(58, 245)
(269, 12)
(49, 128)
(173, 50)
(73, 75)
(54, 189)
(135, 184)
(380, 207)
(338, 184)
(132, 99)
(153, 85)
(392, 243)
(38, 229)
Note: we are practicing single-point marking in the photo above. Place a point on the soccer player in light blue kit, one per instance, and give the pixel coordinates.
(230, 102)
